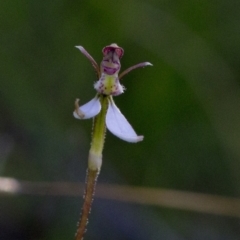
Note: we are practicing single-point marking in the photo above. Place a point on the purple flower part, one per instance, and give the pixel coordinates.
(110, 71)
(113, 47)
(110, 64)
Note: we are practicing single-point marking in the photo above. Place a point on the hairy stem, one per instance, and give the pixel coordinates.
(88, 198)
(94, 165)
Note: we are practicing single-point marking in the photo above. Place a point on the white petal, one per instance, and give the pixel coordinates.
(119, 126)
(89, 109)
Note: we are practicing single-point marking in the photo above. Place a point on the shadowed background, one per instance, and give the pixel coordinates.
(187, 106)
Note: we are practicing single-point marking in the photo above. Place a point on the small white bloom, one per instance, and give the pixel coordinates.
(108, 85)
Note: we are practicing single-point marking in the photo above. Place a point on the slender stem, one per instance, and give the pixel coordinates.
(88, 198)
(98, 135)
(94, 165)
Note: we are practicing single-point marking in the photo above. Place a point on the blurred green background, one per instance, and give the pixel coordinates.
(187, 106)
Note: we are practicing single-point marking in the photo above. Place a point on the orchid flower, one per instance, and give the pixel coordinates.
(106, 114)
(109, 85)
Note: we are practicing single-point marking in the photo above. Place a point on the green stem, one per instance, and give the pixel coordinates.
(94, 165)
(98, 135)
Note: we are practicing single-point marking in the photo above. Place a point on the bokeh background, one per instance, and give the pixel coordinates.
(187, 106)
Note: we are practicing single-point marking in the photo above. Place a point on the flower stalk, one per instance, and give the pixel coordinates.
(94, 165)
(106, 114)
(98, 136)
(88, 198)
